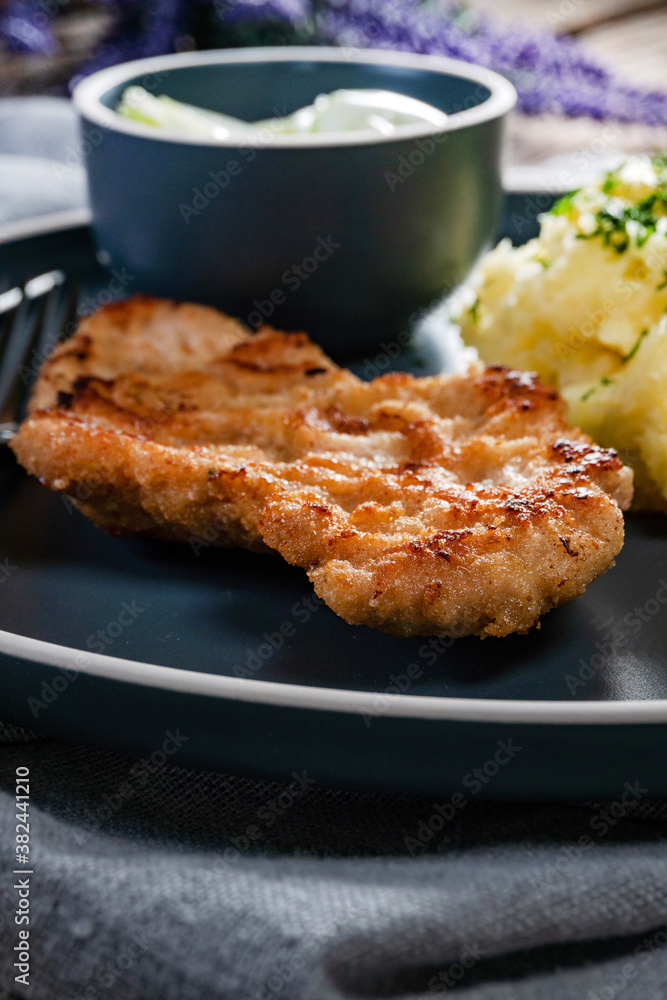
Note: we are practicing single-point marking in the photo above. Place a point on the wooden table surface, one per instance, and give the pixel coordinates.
(628, 36)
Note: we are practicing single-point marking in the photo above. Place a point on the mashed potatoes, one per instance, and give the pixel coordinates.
(584, 305)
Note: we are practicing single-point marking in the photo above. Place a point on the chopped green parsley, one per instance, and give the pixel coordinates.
(612, 221)
(564, 205)
(605, 380)
(633, 350)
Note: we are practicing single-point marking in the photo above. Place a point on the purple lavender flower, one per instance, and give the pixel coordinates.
(153, 27)
(25, 28)
(292, 12)
(142, 29)
(552, 74)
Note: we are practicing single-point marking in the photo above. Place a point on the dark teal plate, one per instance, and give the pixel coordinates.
(120, 643)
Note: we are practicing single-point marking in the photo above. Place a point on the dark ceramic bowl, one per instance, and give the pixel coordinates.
(347, 237)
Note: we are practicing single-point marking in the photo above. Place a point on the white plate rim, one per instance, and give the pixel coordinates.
(43, 225)
(284, 695)
(365, 703)
(87, 94)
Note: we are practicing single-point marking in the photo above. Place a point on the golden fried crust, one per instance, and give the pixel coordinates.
(455, 504)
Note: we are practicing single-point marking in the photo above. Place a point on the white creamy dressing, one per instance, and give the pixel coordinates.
(376, 111)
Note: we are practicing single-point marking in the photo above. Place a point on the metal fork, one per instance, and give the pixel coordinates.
(34, 318)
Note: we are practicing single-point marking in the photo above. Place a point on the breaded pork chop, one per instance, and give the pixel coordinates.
(456, 504)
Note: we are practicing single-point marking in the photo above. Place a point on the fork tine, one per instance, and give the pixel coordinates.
(14, 317)
(57, 322)
(14, 373)
(9, 302)
(70, 316)
(12, 322)
(30, 319)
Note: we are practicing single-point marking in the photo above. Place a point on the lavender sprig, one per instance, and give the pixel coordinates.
(144, 28)
(25, 28)
(141, 29)
(553, 75)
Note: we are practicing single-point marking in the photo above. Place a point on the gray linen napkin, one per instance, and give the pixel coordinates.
(145, 888)
(146, 885)
(40, 158)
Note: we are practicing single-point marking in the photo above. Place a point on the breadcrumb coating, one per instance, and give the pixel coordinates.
(450, 505)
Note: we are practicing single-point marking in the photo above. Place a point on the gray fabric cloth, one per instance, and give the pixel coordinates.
(41, 167)
(148, 883)
(146, 886)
